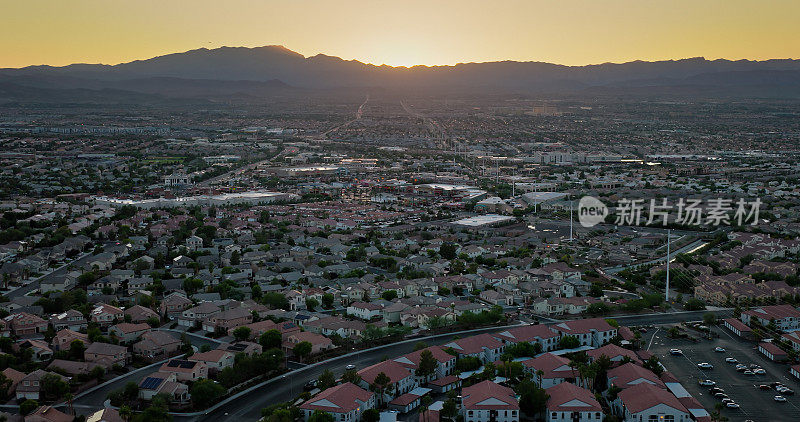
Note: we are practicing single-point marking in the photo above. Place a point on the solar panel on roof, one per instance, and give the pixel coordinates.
(150, 383)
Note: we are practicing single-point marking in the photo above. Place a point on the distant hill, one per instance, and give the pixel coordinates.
(264, 71)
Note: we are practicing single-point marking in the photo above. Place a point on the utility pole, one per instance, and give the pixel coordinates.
(570, 218)
(666, 294)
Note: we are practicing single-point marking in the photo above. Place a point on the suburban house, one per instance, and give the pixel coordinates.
(185, 370)
(630, 374)
(215, 360)
(173, 304)
(549, 369)
(365, 310)
(593, 332)
(445, 362)
(127, 332)
(483, 346)
(345, 402)
(319, 343)
(786, 317)
(647, 402)
(568, 402)
(106, 354)
(530, 334)
(71, 319)
(487, 401)
(156, 344)
(401, 379)
(106, 315)
(226, 321)
(24, 323)
(163, 383)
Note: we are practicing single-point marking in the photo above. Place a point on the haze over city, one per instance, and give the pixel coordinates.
(374, 211)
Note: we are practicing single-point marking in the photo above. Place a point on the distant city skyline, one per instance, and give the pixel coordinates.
(570, 32)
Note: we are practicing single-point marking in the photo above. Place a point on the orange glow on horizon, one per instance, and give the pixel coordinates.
(444, 32)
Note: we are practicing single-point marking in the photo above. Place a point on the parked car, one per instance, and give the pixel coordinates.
(676, 352)
(731, 360)
(719, 349)
(705, 365)
(732, 405)
(780, 399)
(765, 387)
(350, 367)
(759, 371)
(707, 383)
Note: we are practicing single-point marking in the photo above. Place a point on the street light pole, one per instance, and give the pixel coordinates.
(666, 293)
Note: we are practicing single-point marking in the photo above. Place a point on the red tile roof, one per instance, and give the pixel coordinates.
(568, 397)
(631, 374)
(411, 360)
(487, 395)
(392, 369)
(612, 351)
(774, 312)
(474, 344)
(552, 365)
(583, 326)
(338, 399)
(527, 333)
(644, 396)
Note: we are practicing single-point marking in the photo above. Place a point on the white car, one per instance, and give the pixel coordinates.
(747, 372)
(705, 365)
(675, 352)
(731, 360)
(707, 383)
(350, 367)
(732, 405)
(759, 371)
(780, 399)
(719, 349)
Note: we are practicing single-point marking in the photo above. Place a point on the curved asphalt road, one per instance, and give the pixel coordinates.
(248, 405)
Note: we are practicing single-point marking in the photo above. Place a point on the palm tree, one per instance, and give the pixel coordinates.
(68, 397)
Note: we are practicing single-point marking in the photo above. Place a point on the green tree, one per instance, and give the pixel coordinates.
(568, 342)
(447, 250)
(270, 339)
(327, 300)
(380, 384)
(370, 415)
(302, 349)
(319, 416)
(53, 386)
(241, 333)
(449, 409)
(533, 399)
(389, 295)
(351, 376)
(206, 392)
(326, 380)
(311, 303)
(76, 349)
(28, 406)
(427, 364)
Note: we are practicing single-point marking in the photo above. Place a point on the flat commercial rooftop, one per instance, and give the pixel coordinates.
(536, 198)
(252, 197)
(483, 220)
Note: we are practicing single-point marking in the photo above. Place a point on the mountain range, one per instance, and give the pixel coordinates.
(271, 70)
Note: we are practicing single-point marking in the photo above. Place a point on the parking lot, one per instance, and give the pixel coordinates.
(756, 404)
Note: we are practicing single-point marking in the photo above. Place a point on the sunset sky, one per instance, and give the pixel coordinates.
(408, 32)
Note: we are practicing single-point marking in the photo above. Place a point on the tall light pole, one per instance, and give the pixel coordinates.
(666, 294)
